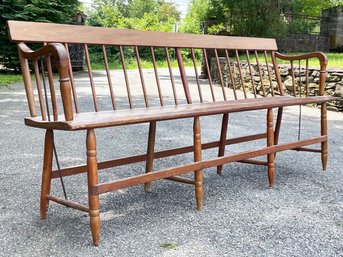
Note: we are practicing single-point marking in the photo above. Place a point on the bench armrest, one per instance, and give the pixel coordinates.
(323, 61)
(59, 53)
(56, 50)
(319, 55)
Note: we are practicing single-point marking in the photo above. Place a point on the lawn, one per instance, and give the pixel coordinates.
(335, 60)
(8, 79)
(132, 64)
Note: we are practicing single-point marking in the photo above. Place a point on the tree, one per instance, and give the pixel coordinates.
(198, 12)
(167, 11)
(106, 14)
(137, 8)
(152, 15)
(58, 11)
(135, 14)
(253, 18)
(312, 7)
(250, 17)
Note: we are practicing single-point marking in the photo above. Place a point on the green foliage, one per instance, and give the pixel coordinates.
(167, 11)
(215, 29)
(300, 10)
(198, 12)
(106, 14)
(312, 7)
(139, 8)
(252, 18)
(58, 11)
(134, 14)
(248, 17)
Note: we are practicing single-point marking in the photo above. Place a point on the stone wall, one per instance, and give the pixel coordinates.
(334, 81)
(332, 25)
(293, 43)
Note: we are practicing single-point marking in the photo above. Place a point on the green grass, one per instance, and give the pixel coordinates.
(132, 64)
(335, 60)
(8, 79)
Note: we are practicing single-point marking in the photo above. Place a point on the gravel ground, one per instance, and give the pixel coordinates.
(301, 216)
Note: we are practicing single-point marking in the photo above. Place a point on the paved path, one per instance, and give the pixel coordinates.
(301, 216)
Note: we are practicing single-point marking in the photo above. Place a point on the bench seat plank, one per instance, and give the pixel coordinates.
(140, 115)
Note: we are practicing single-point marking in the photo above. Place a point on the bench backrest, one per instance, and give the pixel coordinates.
(261, 51)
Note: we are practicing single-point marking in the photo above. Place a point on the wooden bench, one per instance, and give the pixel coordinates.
(188, 101)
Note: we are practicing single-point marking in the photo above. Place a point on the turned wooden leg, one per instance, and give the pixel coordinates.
(270, 142)
(92, 175)
(46, 175)
(222, 140)
(323, 129)
(150, 153)
(197, 157)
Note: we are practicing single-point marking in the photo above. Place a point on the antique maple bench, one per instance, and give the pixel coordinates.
(53, 109)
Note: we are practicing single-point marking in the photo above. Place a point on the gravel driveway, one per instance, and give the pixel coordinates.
(301, 216)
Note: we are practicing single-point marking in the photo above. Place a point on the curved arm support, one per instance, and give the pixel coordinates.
(319, 55)
(58, 52)
(323, 62)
